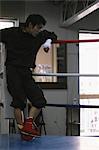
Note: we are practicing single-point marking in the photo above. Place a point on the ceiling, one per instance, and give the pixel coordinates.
(90, 22)
(86, 18)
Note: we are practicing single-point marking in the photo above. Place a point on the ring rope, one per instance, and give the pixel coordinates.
(66, 74)
(62, 74)
(76, 41)
(72, 106)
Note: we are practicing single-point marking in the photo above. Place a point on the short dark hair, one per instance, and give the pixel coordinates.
(35, 19)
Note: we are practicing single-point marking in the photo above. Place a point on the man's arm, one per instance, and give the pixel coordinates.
(49, 35)
(47, 38)
(45, 35)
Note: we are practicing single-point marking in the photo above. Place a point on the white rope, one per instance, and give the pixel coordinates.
(66, 74)
(63, 74)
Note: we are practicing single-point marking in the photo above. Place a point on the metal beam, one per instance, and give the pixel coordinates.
(78, 16)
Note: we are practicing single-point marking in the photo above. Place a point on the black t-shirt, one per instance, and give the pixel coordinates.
(22, 47)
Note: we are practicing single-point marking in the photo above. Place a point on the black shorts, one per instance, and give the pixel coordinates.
(22, 86)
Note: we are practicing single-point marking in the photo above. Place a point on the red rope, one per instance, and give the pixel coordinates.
(76, 41)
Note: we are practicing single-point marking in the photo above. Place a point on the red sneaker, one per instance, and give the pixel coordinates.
(30, 130)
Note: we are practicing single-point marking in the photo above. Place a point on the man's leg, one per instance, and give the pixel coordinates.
(29, 129)
(19, 117)
(34, 112)
(37, 102)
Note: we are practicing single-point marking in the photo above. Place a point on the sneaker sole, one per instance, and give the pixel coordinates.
(29, 134)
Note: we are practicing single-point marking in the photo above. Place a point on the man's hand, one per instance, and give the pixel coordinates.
(47, 45)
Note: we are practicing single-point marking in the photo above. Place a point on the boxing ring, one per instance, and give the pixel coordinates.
(13, 142)
(45, 142)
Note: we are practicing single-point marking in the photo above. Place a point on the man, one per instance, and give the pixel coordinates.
(22, 44)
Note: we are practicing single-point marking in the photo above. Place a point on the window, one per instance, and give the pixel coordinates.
(89, 86)
(7, 23)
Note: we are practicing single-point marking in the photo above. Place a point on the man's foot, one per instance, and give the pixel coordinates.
(29, 130)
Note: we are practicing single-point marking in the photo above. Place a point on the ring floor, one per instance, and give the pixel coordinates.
(13, 142)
